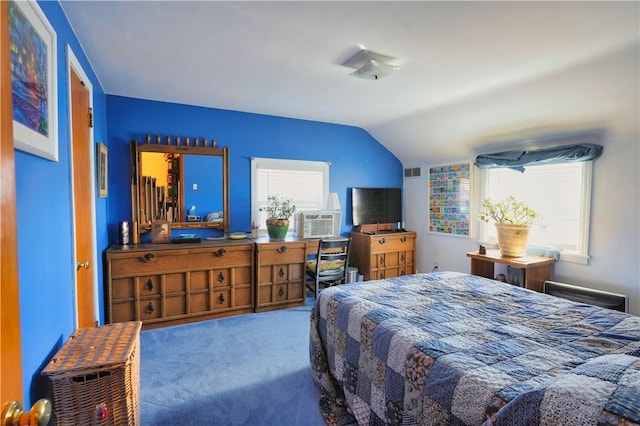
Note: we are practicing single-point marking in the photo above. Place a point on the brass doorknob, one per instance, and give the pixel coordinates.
(40, 414)
(84, 265)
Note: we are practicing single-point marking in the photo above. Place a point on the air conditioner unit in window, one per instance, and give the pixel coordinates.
(318, 224)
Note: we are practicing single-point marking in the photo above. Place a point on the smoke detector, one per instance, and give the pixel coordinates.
(371, 65)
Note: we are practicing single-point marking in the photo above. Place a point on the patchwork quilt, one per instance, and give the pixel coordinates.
(450, 348)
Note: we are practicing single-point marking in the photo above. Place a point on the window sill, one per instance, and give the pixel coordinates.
(575, 258)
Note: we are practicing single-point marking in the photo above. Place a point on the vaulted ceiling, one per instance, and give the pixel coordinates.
(459, 61)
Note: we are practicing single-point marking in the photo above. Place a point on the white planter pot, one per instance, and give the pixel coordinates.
(512, 239)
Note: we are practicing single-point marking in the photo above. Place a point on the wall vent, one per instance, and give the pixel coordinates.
(618, 302)
(413, 172)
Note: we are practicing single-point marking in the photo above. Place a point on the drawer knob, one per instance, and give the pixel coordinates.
(402, 257)
(149, 285)
(220, 277)
(221, 251)
(281, 292)
(149, 309)
(283, 249)
(382, 240)
(221, 298)
(404, 238)
(381, 260)
(149, 257)
(281, 272)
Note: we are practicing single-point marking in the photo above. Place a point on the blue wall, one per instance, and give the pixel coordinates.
(45, 244)
(356, 158)
(45, 229)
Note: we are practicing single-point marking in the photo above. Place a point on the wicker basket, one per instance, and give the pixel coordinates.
(96, 377)
(512, 239)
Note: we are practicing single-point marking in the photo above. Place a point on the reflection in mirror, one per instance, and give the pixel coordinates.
(201, 190)
(161, 187)
(180, 182)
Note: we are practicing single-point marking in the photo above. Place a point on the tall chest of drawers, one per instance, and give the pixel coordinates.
(280, 274)
(162, 284)
(383, 255)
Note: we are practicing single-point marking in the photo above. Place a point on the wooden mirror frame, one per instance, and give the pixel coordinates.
(177, 146)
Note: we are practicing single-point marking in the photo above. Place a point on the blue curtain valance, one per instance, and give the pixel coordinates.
(517, 160)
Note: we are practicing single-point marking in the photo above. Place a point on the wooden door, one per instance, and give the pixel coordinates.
(82, 196)
(10, 346)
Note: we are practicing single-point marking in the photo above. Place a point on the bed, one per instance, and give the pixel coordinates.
(451, 348)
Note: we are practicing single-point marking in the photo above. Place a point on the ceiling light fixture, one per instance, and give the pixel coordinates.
(370, 65)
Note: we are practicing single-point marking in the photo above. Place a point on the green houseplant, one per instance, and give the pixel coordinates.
(512, 219)
(278, 210)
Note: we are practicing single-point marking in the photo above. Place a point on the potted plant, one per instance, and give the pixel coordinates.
(512, 219)
(278, 210)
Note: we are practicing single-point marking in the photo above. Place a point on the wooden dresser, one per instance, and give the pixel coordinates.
(280, 274)
(165, 284)
(383, 255)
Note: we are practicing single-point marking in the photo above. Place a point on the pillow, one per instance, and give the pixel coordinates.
(326, 265)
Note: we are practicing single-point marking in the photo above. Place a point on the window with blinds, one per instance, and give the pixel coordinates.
(561, 193)
(305, 182)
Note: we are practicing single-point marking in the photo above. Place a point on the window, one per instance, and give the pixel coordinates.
(305, 182)
(560, 192)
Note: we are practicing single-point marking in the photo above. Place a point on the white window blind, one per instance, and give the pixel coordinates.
(305, 182)
(561, 193)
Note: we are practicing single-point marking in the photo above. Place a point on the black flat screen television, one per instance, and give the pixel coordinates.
(376, 205)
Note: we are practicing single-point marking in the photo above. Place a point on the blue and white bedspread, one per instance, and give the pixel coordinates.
(449, 348)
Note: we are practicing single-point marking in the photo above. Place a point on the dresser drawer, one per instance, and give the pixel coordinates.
(382, 243)
(283, 293)
(175, 306)
(407, 257)
(148, 285)
(150, 309)
(392, 258)
(281, 273)
(284, 253)
(123, 311)
(149, 262)
(122, 288)
(220, 257)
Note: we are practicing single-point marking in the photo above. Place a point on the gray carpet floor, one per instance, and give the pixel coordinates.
(250, 369)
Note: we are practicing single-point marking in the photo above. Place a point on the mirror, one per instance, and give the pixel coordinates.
(180, 181)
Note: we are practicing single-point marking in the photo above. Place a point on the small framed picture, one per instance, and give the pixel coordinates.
(160, 232)
(102, 170)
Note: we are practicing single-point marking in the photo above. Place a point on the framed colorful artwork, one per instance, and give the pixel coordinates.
(450, 199)
(33, 80)
(103, 170)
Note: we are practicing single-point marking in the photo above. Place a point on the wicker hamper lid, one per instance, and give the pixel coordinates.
(95, 349)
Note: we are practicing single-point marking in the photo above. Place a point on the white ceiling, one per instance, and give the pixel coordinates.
(283, 58)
